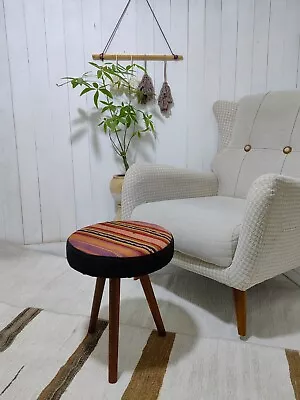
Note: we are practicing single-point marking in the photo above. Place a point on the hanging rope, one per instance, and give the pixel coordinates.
(111, 38)
(162, 32)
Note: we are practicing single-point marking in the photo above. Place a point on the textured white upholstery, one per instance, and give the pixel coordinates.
(268, 123)
(225, 113)
(146, 183)
(269, 179)
(203, 227)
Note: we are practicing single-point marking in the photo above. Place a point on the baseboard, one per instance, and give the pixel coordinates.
(294, 275)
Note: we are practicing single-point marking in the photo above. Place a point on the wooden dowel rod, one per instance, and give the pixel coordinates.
(140, 57)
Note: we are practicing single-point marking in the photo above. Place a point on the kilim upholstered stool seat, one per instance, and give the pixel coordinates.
(114, 250)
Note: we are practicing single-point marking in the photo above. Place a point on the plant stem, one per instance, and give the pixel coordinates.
(122, 154)
(129, 141)
(115, 147)
(126, 165)
(120, 144)
(116, 133)
(124, 140)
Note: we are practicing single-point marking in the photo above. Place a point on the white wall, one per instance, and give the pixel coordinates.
(55, 166)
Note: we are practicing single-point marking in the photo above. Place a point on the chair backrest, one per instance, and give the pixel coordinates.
(265, 139)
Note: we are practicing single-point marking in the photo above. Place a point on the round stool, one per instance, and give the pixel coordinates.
(114, 250)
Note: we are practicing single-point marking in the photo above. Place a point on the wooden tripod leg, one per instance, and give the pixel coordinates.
(114, 318)
(240, 300)
(100, 282)
(148, 290)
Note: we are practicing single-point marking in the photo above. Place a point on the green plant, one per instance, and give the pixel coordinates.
(116, 96)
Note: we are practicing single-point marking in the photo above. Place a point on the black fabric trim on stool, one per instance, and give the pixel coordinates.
(118, 267)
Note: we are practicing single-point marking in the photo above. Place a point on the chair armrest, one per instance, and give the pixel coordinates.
(148, 183)
(269, 242)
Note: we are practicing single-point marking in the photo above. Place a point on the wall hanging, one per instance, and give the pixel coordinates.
(104, 56)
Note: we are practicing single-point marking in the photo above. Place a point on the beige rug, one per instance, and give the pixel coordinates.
(44, 355)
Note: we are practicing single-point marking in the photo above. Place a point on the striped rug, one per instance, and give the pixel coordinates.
(48, 356)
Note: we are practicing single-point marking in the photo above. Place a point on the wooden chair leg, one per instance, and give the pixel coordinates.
(240, 301)
(148, 290)
(99, 287)
(114, 318)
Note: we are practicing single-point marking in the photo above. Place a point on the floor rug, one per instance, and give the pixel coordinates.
(48, 356)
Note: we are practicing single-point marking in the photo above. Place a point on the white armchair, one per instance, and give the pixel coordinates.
(240, 224)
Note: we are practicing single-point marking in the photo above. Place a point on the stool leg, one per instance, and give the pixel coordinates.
(114, 316)
(148, 290)
(99, 287)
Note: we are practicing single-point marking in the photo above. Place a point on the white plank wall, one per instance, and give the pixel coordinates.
(55, 165)
(62, 168)
(11, 224)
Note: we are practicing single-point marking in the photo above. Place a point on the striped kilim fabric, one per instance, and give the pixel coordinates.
(121, 239)
(51, 358)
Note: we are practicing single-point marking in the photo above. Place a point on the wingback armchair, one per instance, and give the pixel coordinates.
(239, 224)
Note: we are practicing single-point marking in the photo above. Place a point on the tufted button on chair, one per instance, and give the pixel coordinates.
(240, 224)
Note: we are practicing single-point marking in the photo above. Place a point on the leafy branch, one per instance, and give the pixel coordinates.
(121, 120)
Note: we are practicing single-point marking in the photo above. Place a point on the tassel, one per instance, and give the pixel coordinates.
(165, 99)
(146, 91)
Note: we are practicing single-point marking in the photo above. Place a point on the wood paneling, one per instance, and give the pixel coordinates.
(260, 46)
(40, 95)
(62, 167)
(55, 164)
(11, 226)
(196, 100)
(23, 104)
(246, 11)
(144, 42)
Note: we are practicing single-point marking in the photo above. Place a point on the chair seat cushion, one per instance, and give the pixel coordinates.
(120, 249)
(206, 227)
